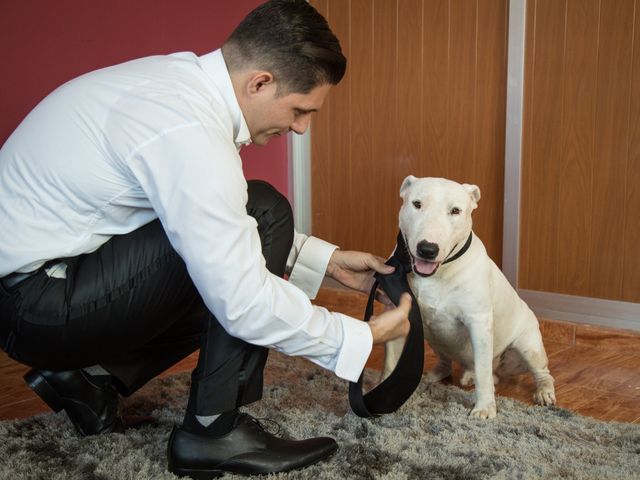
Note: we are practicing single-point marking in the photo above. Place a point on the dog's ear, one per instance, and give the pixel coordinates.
(474, 193)
(406, 183)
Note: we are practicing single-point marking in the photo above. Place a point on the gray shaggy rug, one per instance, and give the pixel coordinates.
(431, 437)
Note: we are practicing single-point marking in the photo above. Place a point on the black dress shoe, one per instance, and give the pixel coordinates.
(91, 408)
(247, 449)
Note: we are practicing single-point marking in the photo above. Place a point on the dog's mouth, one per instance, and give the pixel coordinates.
(424, 268)
(420, 266)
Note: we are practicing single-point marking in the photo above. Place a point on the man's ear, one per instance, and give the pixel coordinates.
(258, 81)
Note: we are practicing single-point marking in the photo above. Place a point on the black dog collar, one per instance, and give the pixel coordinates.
(462, 251)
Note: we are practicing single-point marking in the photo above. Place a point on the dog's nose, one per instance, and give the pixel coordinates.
(428, 250)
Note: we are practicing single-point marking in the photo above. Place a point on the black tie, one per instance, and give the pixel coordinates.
(391, 394)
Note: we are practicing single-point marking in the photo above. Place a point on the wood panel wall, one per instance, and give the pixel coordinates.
(424, 94)
(580, 226)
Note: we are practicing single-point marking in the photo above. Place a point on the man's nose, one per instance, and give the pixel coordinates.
(301, 124)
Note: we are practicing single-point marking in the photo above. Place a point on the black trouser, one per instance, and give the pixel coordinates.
(132, 308)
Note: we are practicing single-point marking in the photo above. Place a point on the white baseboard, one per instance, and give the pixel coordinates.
(592, 311)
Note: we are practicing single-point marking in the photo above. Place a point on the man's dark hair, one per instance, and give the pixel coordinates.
(290, 39)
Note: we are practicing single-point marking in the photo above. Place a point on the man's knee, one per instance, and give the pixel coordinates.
(263, 198)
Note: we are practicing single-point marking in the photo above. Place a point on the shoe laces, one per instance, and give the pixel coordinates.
(260, 422)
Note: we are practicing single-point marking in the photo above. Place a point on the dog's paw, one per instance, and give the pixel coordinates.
(545, 396)
(484, 412)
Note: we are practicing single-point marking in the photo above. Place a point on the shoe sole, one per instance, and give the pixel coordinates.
(197, 474)
(216, 473)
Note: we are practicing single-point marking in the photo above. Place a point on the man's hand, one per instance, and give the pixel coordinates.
(393, 323)
(355, 269)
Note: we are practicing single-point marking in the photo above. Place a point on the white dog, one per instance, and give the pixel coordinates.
(470, 312)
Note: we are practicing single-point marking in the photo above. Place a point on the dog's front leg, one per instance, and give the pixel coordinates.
(481, 333)
(392, 352)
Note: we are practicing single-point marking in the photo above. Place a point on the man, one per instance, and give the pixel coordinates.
(129, 238)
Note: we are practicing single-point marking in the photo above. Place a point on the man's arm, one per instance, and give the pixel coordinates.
(193, 178)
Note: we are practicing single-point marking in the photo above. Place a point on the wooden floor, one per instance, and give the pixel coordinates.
(597, 371)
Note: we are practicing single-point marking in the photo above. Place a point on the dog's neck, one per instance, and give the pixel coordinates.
(460, 252)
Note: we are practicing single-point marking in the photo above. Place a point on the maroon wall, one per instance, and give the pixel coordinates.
(44, 43)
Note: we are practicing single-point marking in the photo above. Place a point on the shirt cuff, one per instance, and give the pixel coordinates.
(357, 343)
(311, 265)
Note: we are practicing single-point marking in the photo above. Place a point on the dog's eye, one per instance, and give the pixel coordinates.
(454, 211)
(417, 204)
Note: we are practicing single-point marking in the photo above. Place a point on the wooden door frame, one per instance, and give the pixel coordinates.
(300, 179)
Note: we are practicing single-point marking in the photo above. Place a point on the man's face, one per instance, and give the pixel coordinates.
(269, 116)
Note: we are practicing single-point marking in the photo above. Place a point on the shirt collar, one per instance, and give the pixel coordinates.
(215, 67)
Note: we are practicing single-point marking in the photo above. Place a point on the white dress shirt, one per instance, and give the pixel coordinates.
(153, 138)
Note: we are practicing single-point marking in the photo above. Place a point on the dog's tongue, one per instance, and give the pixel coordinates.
(425, 268)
